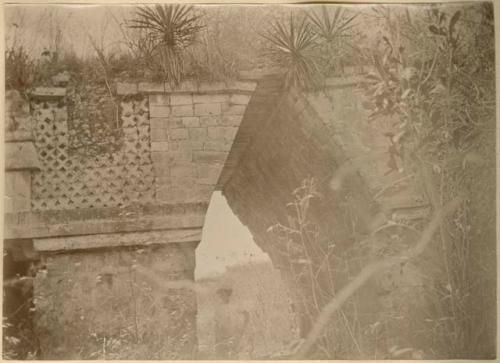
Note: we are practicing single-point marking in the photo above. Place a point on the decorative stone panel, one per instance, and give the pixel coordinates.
(73, 180)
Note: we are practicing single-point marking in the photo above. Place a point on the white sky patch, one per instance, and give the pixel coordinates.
(226, 241)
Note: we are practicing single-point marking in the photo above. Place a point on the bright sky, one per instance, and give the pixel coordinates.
(225, 240)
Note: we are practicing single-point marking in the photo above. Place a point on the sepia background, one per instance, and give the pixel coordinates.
(339, 159)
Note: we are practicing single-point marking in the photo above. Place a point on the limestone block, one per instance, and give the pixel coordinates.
(212, 86)
(180, 155)
(191, 121)
(210, 120)
(159, 135)
(175, 122)
(186, 145)
(239, 99)
(197, 133)
(17, 191)
(159, 111)
(208, 173)
(159, 146)
(183, 170)
(21, 155)
(183, 110)
(142, 238)
(148, 87)
(159, 100)
(209, 157)
(222, 133)
(158, 123)
(231, 120)
(242, 85)
(206, 109)
(217, 146)
(228, 109)
(179, 134)
(184, 86)
(210, 98)
(181, 99)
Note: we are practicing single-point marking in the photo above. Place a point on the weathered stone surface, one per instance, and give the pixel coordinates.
(208, 174)
(239, 99)
(184, 86)
(159, 135)
(242, 85)
(159, 111)
(159, 100)
(187, 145)
(217, 146)
(179, 134)
(21, 156)
(212, 86)
(233, 109)
(17, 196)
(159, 145)
(85, 297)
(183, 110)
(209, 120)
(222, 133)
(181, 99)
(209, 157)
(148, 87)
(18, 121)
(158, 123)
(231, 120)
(198, 133)
(119, 239)
(183, 170)
(23, 225)
(175, 122)
(191, 121)
(207, 109)
(210, 98)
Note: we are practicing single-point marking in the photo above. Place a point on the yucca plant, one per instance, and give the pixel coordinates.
(331, 29)
(290, 46)
(171, 29)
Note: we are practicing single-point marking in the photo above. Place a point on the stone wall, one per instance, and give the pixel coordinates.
(112, 195)
(192, 130)
(95, 305)
(327, 135)
(21, 159)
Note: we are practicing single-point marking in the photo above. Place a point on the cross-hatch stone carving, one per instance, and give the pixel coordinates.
(68, 180)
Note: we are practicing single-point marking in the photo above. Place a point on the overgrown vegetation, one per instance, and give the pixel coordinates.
(435, 74)
(431, 70)
(311, 47)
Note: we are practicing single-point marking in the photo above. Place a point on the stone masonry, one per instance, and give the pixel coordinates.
(114, 231)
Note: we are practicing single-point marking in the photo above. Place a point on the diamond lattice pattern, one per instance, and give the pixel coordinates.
(69, 180)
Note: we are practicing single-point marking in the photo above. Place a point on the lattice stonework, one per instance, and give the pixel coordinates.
(70, 180)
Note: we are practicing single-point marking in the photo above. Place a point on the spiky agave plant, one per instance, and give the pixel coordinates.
(171, 29)
(290, 46)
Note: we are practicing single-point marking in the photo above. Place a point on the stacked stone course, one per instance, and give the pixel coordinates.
(193, 127)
